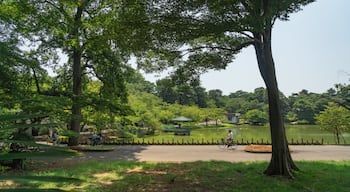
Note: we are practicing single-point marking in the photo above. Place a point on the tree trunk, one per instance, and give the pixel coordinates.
(76, 107)
(337, 133)
(77, 80)
(281, 161)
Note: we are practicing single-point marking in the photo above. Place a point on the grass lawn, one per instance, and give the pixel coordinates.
(195, 176)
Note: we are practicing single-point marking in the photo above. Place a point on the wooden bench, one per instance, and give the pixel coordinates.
(186, 132)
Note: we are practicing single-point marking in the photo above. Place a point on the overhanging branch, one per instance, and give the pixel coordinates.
(234, 50)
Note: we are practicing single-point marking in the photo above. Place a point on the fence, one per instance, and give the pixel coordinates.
(182, 141)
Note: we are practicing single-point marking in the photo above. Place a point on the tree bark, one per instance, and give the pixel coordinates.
(281, 161)
(77, 80)
(76, 107)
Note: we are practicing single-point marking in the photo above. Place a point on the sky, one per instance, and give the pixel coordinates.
(311, 51)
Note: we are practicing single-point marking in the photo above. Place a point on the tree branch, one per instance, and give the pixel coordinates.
(247, 35)
(94, 70)
(36, 81)
(59, 8)
(55, 93)
(235, 49)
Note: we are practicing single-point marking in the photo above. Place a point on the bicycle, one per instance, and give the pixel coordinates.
(224, 145)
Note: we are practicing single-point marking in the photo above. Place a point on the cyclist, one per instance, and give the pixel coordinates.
(229, 138)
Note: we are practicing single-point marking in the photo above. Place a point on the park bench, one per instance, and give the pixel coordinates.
(186, 132)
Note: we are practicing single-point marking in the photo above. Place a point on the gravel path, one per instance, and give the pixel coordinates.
(188, 153)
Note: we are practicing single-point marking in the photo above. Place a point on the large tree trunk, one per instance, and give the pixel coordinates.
(77, 80)
(281, 161)
(76, 107)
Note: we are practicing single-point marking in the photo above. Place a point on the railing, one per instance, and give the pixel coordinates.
(144, 141)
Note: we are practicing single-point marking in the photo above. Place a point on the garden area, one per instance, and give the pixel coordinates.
(72, 72)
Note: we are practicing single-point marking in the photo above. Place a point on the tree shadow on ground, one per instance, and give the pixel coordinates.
(42, 164)
(120, 152)
(29, 183)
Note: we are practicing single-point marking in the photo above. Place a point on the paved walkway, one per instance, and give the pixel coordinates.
(188, 153)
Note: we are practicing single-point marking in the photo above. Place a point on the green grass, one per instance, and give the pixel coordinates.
(195, 176)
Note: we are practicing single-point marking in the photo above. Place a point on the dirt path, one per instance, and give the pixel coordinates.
(188, 153)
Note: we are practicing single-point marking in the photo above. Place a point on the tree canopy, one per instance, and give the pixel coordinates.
(97, 37)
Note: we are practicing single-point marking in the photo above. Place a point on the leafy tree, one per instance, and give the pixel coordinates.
(239, 94)
(216, 95)
(20, 71)
(304, 106)
(304, 110)
(173, 91)
(207, 35)
(164, 115)
(96, 36)
(200, 97)
(193, 112)
(260, 94)
(215, 114)
(334, 119)
(9, 56)
(235, 105)
(165, 90)
(256, 117)
(14, 64)
(137, 83)
(146, 108)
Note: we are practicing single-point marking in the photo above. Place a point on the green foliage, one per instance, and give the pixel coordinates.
(97, 37)
(214, 114)
(304, 106)
(137, 83)
(334, 119)
(256, 117)
(216, 96)
(341, 95)
(175, 90)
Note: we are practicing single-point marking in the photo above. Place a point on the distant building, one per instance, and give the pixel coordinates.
(233, 118)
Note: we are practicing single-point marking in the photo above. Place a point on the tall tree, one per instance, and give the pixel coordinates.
(207, 35)
(165, 90)
(305, 105)
(216, 95)
(173, 90)
(97, 36)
